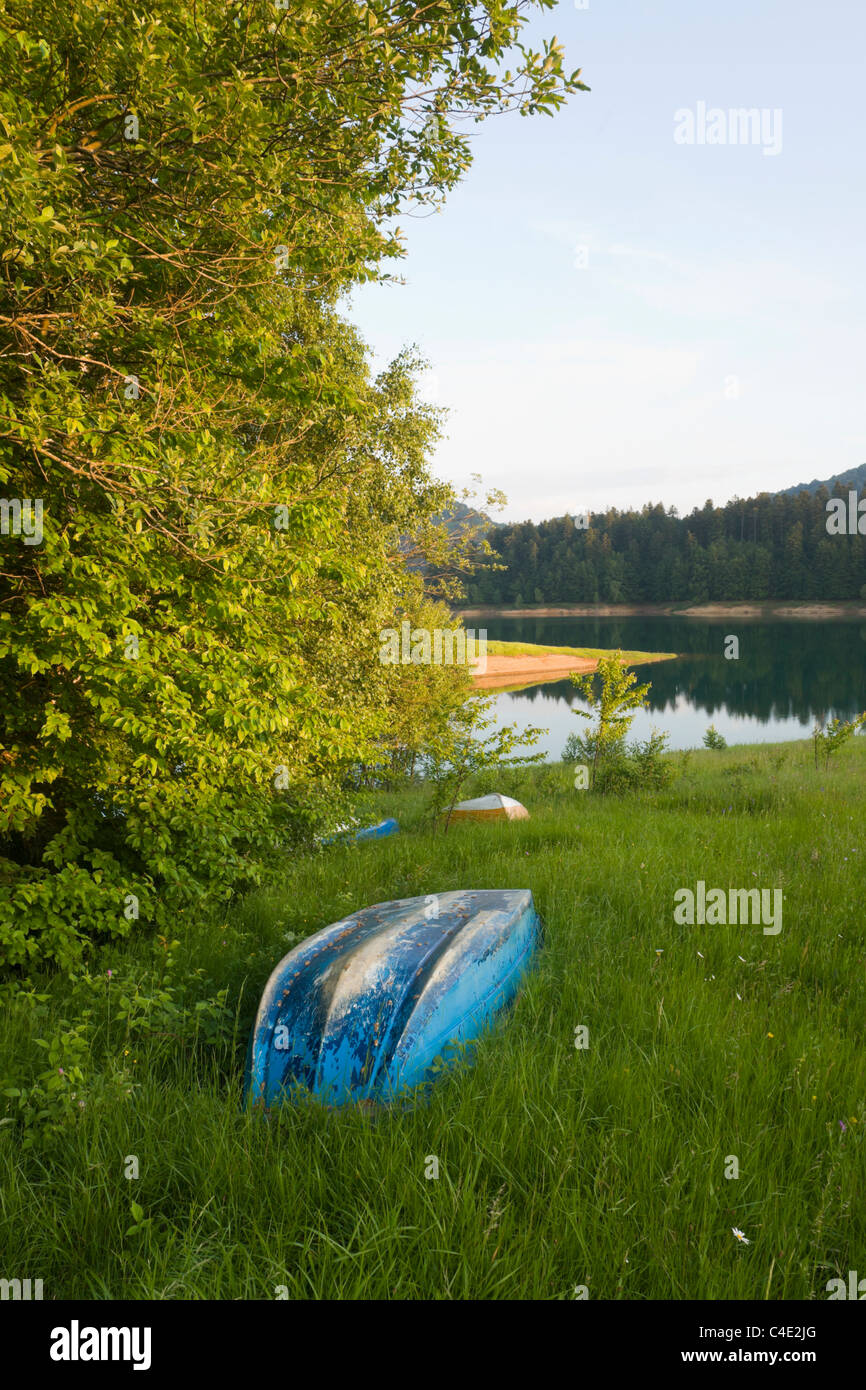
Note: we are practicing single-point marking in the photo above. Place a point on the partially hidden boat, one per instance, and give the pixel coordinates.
(379, 1002)
(493, 807)
(375, 832)
(368, 832)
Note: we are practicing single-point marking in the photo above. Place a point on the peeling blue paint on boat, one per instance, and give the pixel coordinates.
(373, 1005)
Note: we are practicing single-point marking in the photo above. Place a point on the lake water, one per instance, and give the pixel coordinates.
(788, 676)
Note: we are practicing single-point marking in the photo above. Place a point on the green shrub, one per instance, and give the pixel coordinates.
(837, 733)
(638, 767)
(713, 739)
(581, 748)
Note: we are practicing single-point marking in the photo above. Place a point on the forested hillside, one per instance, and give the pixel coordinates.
(851, 478)
(765, 547)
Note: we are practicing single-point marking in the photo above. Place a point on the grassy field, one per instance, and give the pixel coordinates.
(590, 653)
(602, 1167)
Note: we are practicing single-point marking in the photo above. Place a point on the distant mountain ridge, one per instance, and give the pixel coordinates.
(461, 518)
(855, 478)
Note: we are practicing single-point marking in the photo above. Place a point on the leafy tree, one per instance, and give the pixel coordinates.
(189, 657)
(419, 700)
(713, 739)
(614, 704)
(837, 733)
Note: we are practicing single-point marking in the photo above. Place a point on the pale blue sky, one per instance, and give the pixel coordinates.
(713, 344)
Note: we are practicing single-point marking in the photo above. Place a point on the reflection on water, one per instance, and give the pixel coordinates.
(789, 674)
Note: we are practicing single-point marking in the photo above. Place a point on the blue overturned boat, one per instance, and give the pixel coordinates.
(375, 832)
(367, 832)
(377, 1003)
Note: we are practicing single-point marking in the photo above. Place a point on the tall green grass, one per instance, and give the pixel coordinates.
(558, 1167)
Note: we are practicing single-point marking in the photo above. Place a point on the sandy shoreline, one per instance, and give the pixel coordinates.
(811, 611)
(511, 670)
(504, 671)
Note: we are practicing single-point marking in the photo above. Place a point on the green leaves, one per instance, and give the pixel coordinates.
(166, 384)
(141, 1224)
(614, 705)
(837, 733)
